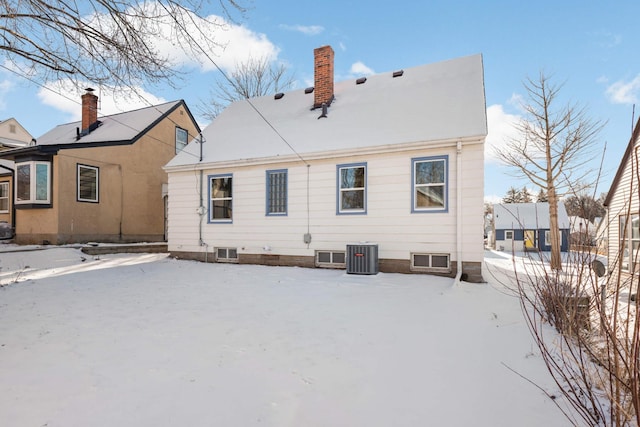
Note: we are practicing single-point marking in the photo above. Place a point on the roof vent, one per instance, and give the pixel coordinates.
(361, 80)
(278, 95)
(308, 90)
(398, 73)
(324, 111)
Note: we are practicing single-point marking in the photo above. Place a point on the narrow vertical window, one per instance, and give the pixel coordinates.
(4, 197)
(220, 198)
(88, 188)
(429, 184)
(277, 192)
(182, 138)
(352, 186)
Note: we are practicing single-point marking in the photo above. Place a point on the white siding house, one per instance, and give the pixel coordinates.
(395, 160)
(526, 227)
(623, 211)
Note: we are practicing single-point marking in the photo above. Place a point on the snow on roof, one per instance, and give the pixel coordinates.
(527, 216)
(116, 127)
(431, 102)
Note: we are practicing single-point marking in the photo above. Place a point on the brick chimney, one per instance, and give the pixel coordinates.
(323, 76)
(89, 109)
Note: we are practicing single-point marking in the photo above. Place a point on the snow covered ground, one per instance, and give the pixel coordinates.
(145, 340)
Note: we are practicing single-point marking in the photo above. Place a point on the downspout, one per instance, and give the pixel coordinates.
(201, 209)
(458, 213)
(13, 199)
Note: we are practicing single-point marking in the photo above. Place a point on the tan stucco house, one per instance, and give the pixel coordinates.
(99, 179)
(12, 135)
(387, 168)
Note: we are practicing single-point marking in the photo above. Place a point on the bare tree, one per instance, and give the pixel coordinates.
(251, 78)
(552, 149)
(111, 42)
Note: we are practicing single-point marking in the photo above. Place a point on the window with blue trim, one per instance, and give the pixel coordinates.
(220, 198)
(352, 188)
(277, 192)
(429, 184)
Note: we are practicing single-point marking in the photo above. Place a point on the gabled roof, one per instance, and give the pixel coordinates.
(116, 129)
(517, 216)
(444, 101)
(625, 158)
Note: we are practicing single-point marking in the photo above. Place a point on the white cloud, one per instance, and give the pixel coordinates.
(623, 92)
(109, 102)
(224, 42)
(360, 69)
(309, 30)
(500, 130)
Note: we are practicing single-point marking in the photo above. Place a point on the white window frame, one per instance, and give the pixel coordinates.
(509, 232)
(627, 240)
(212, 198)
(429, 268)
(332, 263)
(97, 183)
(224, 254)
(415, 186)
(340, 210)
(33, 182)
(277, 192)
(5, 186)
(182, 139)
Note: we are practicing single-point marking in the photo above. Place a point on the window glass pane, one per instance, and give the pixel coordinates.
(352, 199)
(339, 257)
(430, 172)
(23, 178)
(232, 253)
(181, 139)
(277, 192)
(222, 252)
(430, 197)
(440, 261)
(421, 260)
(221, 209)
(324, 257)
(352, 177)
(4, 196)
(42, 181)
(221, 187)
(87, 183)
(635, 227)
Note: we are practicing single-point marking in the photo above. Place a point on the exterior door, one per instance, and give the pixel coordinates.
(508, 240)
(529, 240)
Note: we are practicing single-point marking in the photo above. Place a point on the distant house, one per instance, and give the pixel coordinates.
(526, 227)
(99, 179)
(12, 135)
(394, 160)
(623, 211)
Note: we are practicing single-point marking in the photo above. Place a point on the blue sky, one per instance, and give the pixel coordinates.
(590, 46)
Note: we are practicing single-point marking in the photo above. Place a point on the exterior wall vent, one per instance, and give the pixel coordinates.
(362, 258)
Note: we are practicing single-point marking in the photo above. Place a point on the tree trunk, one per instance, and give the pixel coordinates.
(554, 230)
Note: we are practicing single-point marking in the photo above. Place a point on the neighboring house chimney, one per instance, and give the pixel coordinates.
(89, 109)
(323, 76)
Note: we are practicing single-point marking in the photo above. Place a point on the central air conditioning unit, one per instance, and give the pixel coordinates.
(362, 258)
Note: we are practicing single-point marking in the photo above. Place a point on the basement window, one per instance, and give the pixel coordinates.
(226, 255)
(430, 262)
(331, 259)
